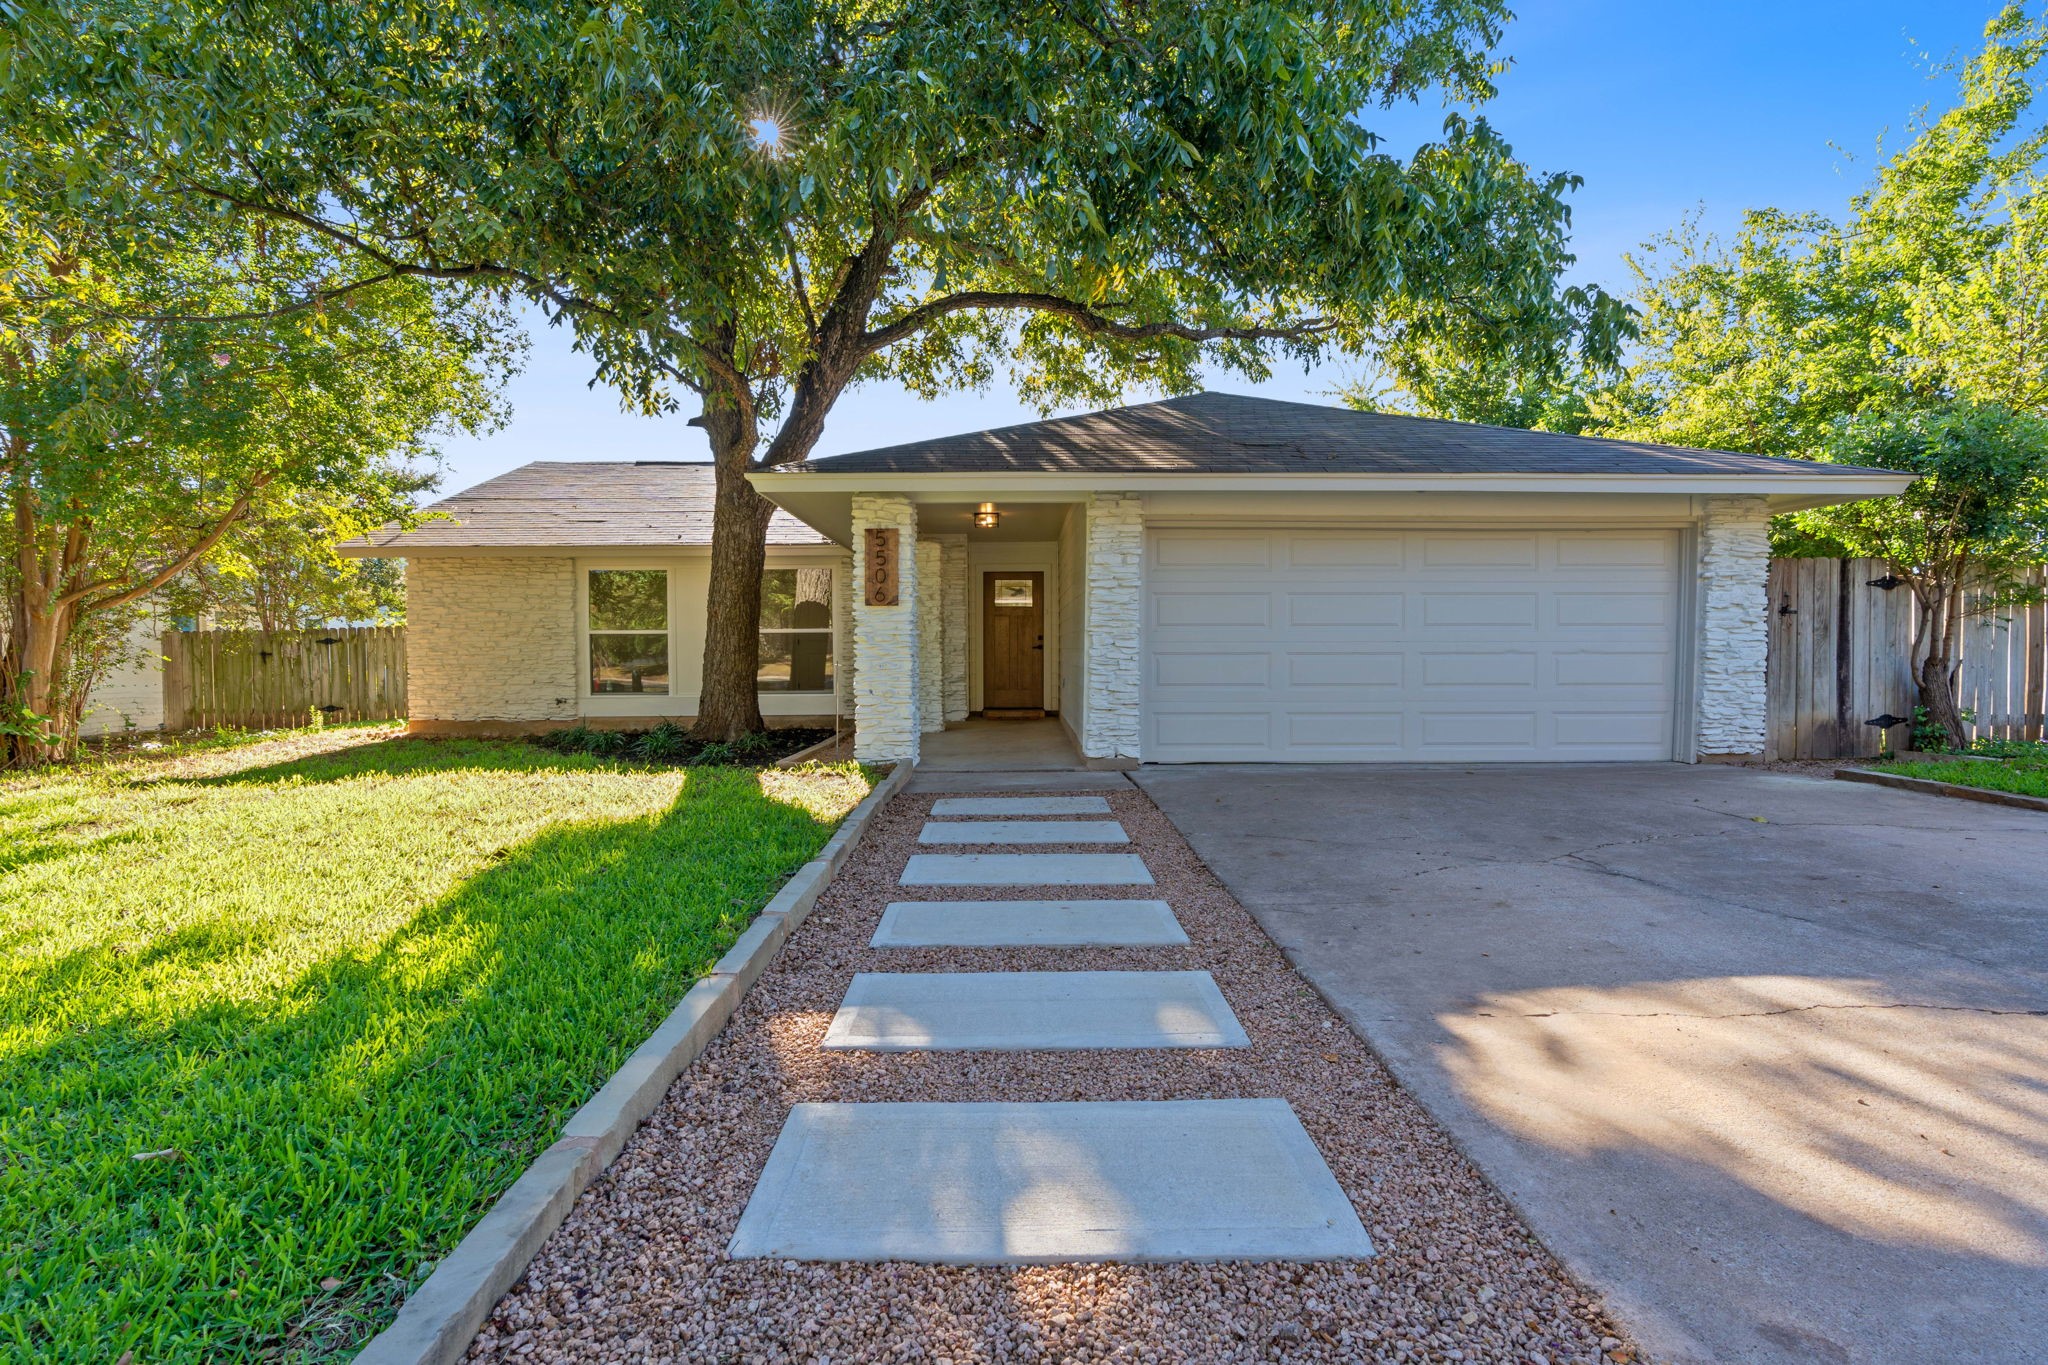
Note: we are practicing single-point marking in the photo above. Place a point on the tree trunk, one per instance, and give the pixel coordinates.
(727, 704)
(1934, 671)
(33, 684)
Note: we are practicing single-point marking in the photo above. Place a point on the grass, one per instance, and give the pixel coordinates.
(2026, 776)
(279, 1020)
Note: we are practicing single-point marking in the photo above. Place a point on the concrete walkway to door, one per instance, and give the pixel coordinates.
(1763, 1058)
(1000, 746)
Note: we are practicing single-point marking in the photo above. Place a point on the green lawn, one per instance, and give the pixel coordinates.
(2029, 777)
(334, 991)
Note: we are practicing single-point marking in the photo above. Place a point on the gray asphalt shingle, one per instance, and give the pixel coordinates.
(594, 503)
(1220, 433)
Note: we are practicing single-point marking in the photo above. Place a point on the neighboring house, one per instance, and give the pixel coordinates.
(130, 696)
(1210, 578)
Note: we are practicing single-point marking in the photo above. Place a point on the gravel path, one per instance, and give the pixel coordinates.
(638, 1272)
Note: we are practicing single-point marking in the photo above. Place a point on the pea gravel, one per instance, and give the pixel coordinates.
(639, 1272)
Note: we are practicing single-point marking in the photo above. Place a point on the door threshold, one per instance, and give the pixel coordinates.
(1014, 713)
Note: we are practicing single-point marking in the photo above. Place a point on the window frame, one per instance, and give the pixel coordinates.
(830, 630)
(667, 631)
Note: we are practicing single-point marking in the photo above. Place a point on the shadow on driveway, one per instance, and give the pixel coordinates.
(1763, 1058)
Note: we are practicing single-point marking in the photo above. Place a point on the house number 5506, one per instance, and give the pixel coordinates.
(880, 571)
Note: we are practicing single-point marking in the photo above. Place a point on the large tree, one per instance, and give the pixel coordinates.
(158, 395)
(751, 207)
(1966, 537)
(1932, 289)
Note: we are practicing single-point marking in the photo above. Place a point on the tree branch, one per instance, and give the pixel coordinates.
(1084, 317)
(169, 571)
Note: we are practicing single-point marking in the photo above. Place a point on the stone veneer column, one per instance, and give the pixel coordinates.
(1115, 529)
(885, 638)
(842, 635)
(931, 639)
(1734, 638)
(953, 581)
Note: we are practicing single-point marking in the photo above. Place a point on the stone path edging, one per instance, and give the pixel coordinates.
(437, 1323)
(1928, 786)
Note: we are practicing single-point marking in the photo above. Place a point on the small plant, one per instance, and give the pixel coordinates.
(665, 743)
(1928, 735)
(716, 755)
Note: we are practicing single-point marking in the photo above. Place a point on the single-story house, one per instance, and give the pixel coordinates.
(1212, 578)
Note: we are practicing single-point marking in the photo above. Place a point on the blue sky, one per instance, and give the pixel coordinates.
(1664, 109)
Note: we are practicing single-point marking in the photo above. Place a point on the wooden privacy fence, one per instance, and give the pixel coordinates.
(256, 679)
(1840, 657)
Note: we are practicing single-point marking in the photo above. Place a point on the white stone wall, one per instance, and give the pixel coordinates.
(1734, 640)
(931, 639)
(491, 638)
(953, 624)
(1115, 529)
(842, 635)
(885, 639)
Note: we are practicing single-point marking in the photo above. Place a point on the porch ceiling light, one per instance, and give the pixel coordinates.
(986, 516)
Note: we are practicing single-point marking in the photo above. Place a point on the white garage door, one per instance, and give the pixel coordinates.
(1340, 646)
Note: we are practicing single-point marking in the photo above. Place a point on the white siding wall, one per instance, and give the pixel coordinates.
(131, 695)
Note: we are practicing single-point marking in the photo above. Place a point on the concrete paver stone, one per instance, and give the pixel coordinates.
(1023, 1184)
(1040, 1011)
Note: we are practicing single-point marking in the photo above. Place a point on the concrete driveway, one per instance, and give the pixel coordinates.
(1763, 1058)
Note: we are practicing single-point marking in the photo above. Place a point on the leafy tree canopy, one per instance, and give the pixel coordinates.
(751, 207)
(159, 387)
(1966, 536)
(1931, 291)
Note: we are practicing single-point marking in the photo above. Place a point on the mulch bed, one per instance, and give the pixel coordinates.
(639, 1270)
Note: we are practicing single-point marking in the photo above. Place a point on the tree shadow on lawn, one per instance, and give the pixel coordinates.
(349, 1124)
(402, 757)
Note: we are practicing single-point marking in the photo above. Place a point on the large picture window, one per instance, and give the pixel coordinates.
(796, 631)
(629, 631)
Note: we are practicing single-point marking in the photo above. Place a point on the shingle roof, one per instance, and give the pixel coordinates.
(594, 503)
(1220, 433)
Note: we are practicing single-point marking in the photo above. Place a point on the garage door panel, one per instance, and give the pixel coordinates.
(1309, 551)
(1216, 730)
(1211, 669)
(1500, 610)
(1610, 668)
(1613, 551)
(1488, 551)
(1211, 551)
(1607, 610)
(1351, 731)
(1611, 730)
(1345, 609)
(1501, 668)
(1506, 730)
(1326, 645)
(1210, 609)
(1350, 668)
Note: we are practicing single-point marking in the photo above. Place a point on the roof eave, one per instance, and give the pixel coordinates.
(1057, 486)
(398, 548)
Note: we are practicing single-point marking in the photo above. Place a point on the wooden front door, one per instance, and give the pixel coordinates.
(1012, 641)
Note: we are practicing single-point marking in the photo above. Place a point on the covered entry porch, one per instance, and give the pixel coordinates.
(992, 629)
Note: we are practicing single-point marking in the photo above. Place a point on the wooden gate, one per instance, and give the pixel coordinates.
(1841, 656)
(255, 679)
